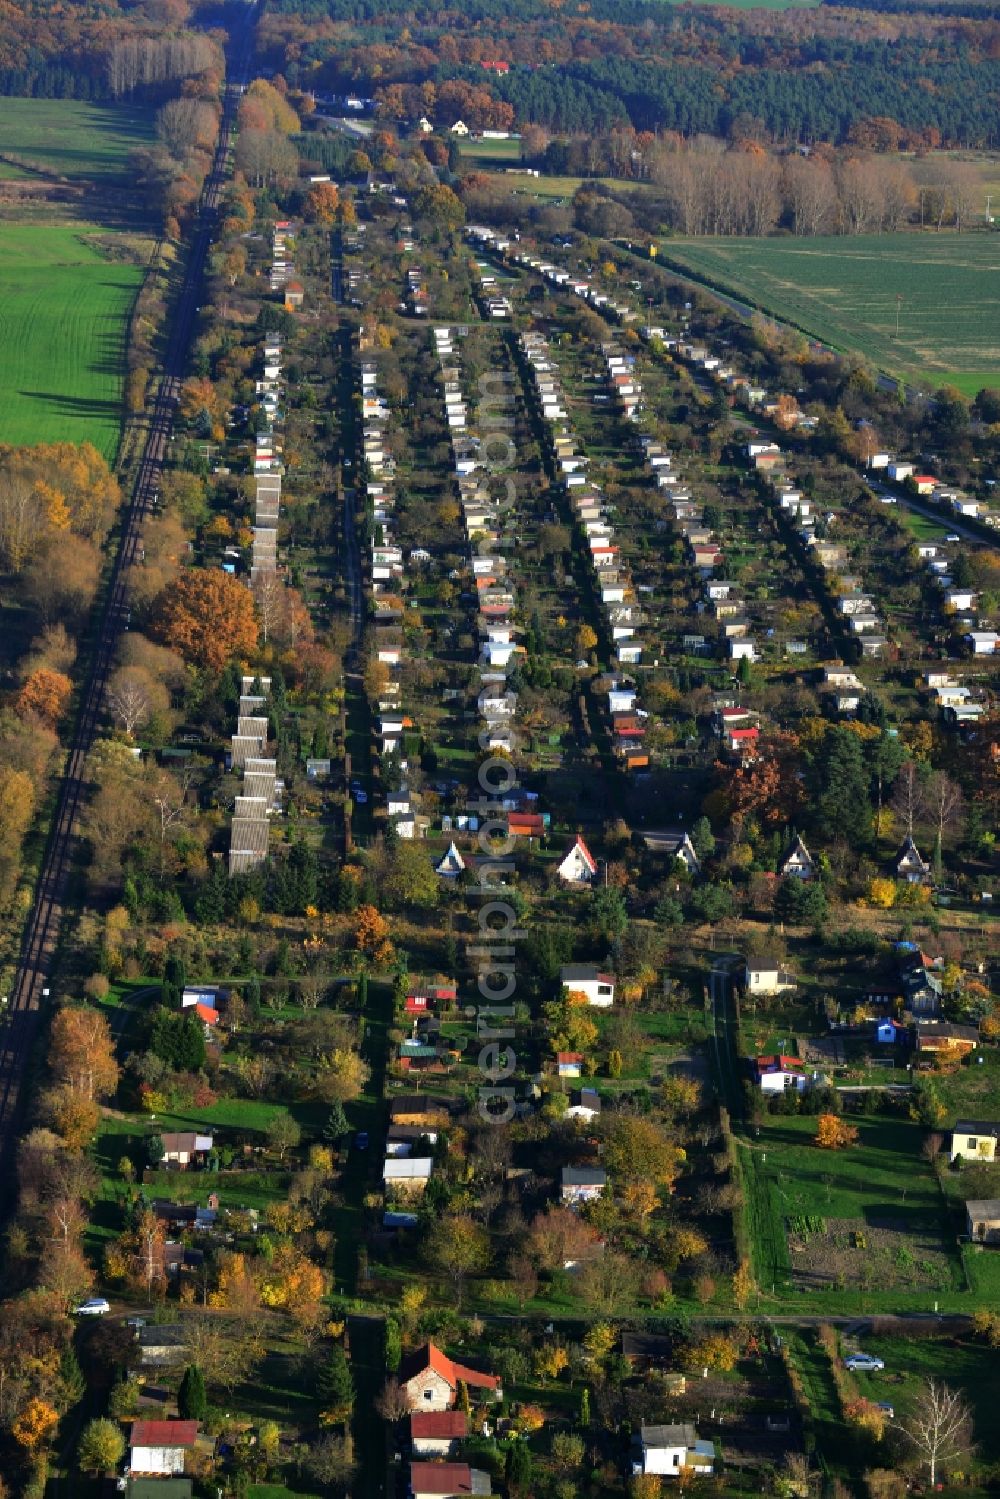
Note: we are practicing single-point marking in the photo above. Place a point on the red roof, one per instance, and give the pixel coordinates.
(207, 1014)
(431, 1357)
(164, 1433)
(440, 1478)
(779, 1064)
(569, 1056)
(439, 1424)
(739, 735)
(529, 824)
(588, 857)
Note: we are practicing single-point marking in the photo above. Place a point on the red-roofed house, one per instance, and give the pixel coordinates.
(775, 1074)
(431, 1379)
(207, 1015)
(159, 1446)
(578, 866)
(742, 741)
(447, 1481)
(495, 65)
(525, 825)
(422, 995)
(569, 1063)
(437, 1433)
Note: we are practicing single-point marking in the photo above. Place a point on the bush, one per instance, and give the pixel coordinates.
(98, 986)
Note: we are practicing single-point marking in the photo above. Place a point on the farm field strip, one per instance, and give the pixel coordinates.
(63, 319)
(73, 140)
(844, 291)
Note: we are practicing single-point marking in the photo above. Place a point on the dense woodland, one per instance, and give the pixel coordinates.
(792, 76)
(88, 50)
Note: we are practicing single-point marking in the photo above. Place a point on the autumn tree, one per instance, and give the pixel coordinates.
(35, 1424)
(208, 616)
(557, 1235)
(45, 696)
(321, 203)
(460, 1247)
(81, 1052)
(833, 1133)
(371, 935)
(637, 1148)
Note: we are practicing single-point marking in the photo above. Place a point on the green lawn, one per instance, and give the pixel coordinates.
(970, 1367)
(74, 140)
(882, 1184)
(843, 290)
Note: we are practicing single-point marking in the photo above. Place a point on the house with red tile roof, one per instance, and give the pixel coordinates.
(437, 1433)
(159, 1447)
(431, 1379)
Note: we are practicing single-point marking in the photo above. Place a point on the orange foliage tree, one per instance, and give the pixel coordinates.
(208, 617)
(833, 1134)
(45, 696)
(36, 1423)
(371, 935)
(81, 1052)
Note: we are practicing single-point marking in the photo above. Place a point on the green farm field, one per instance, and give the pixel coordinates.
(843, 291)
(72, 255)
(88, 142)
(63, 317)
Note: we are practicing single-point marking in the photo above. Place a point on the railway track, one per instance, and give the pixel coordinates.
(26, 1001)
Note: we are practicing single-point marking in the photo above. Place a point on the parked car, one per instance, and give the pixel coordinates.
(887, 1410)
(361, 1139)
(863, 1363)
(94, 1306)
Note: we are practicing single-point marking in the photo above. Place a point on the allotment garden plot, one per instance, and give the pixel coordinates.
(871, 1215)
(843, 290)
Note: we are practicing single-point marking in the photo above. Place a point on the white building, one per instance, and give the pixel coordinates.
(587, 978)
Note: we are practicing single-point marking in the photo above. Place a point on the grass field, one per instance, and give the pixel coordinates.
(64, 305)
(63, 318)
(79, 141)
(969, 1367)
(843, 291)
(881, 1186)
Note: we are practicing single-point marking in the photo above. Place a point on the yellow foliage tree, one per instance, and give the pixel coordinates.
(36, 1423)
(833, 1133)
(882, 893)
(551, 1360)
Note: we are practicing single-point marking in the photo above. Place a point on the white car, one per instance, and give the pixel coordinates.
(863, 1363)
(94, 1306)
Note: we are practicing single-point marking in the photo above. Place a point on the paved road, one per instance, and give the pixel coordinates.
(951, 526)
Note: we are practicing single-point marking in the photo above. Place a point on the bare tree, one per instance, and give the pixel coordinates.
(129, 698)
(966, 191)
(860, 196)
(941, 802)
(392, 1401)
(810, 194)
(170, 801)
(906, 795)
(268, 591)
(939, 1428)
